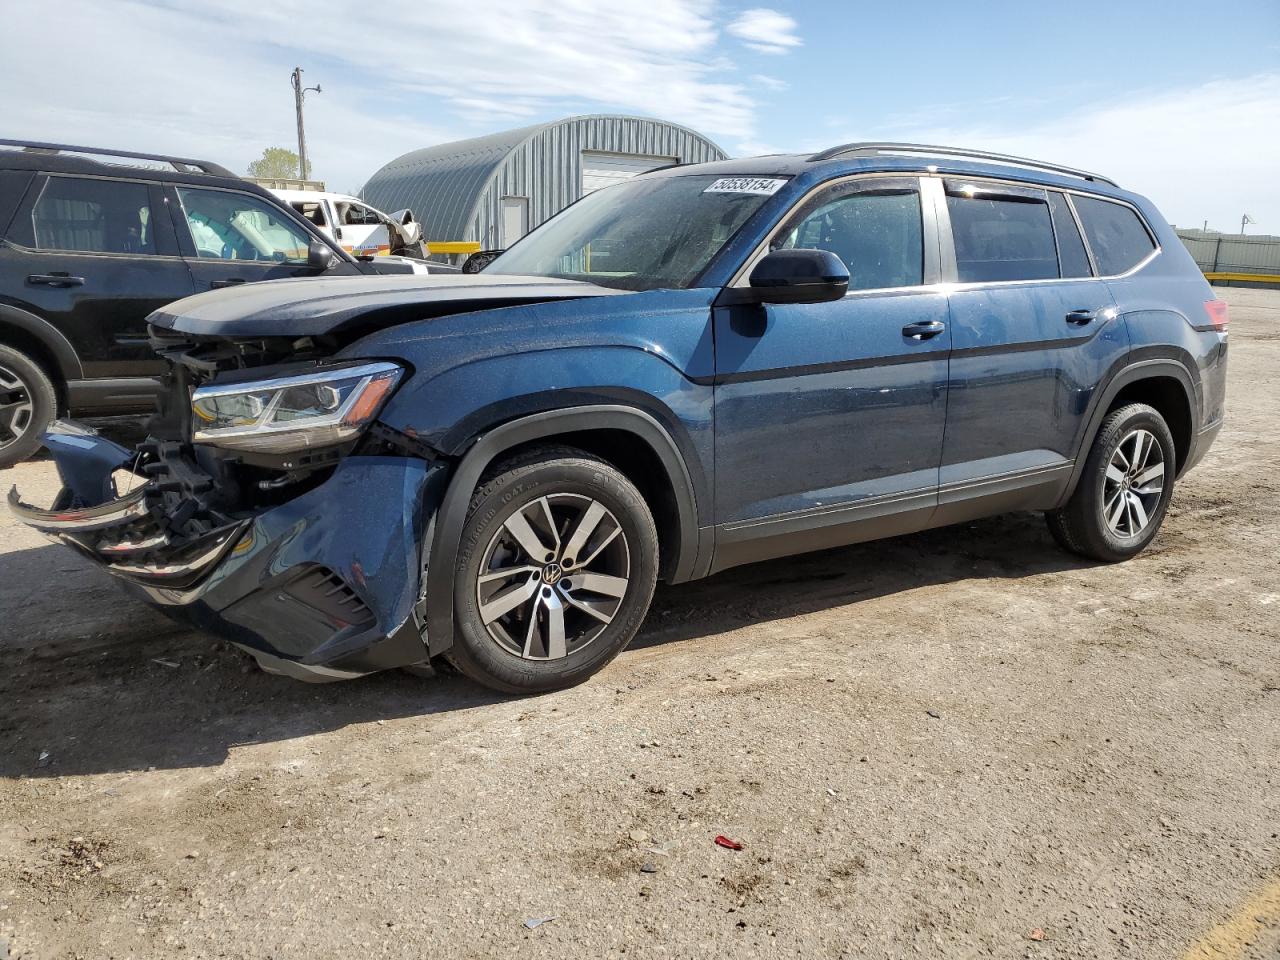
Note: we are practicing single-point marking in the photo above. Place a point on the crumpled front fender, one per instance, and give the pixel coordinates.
(327, 584)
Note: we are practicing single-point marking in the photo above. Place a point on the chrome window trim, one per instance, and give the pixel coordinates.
(1088, 251)
(149, 257)
(945, 250)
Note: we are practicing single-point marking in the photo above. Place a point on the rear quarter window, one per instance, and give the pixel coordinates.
(1116, 234)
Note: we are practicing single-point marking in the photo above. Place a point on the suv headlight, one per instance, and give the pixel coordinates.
(315, 409)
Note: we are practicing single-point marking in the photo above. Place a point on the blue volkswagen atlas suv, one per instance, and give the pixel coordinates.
(701, 367)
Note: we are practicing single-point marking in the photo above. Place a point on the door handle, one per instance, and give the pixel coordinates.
(219, 284)
(924, 330)
(55, 280)
(1081, 317)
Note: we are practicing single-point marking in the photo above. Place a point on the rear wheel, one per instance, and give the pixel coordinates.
(556, 569)
(1124, 491)
(27, 404)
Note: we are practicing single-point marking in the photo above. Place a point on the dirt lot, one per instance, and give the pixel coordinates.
(958, 744)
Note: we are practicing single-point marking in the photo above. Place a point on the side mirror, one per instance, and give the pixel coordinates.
(799, 276)
(319, 255)
(479, 260)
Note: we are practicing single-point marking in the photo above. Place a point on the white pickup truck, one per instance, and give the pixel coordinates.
(357, 227)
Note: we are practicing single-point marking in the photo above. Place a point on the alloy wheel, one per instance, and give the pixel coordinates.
(1134, 484)
(16, 407)
(553, 576)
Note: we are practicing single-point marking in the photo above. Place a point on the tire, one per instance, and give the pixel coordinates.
(559, 618)
(27, 405)
(1118, 506)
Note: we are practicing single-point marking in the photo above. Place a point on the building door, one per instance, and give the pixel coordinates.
(605, 169)
(515, 220)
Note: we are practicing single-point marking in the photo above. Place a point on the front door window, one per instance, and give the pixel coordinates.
(226, 225)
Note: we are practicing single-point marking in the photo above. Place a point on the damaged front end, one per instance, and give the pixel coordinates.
(267, 506)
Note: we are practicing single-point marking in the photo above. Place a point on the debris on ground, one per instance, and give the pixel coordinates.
(534, 922)
(1036, 934)
(171, 664)
(648, 867)
(728, 842)
(934, 713)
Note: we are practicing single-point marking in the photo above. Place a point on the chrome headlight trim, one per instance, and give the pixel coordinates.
(268, 435)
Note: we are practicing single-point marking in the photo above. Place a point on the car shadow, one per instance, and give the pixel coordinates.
(123, 688)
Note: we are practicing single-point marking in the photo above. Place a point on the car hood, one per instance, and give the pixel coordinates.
(307, 307)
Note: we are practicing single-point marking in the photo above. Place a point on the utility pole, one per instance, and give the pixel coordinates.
(299, 94)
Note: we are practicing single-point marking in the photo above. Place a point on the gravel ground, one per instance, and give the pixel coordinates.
(958, 744)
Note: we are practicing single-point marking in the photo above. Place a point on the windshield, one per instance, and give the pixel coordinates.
(641, 235)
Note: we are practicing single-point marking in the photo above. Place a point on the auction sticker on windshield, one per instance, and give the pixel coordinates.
(762, 186)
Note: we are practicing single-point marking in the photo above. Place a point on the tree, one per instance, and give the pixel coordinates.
(276, 163)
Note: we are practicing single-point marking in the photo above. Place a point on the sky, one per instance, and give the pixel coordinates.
(1168, 98)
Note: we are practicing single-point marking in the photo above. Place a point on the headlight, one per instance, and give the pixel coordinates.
(315, 409)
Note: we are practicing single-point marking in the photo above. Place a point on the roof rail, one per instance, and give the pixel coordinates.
(180, 164)
(927, 149)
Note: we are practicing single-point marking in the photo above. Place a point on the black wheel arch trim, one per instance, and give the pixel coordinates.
(49, 336)
(445, 530)
(1101, 403)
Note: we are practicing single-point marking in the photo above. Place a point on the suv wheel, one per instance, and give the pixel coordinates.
(557, 566)
(27, 404)
(1124, 491)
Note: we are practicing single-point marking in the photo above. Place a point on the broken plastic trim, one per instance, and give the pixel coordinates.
(182, 572)
(113, 513)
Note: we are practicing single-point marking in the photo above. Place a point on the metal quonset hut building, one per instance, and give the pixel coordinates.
(496, 188)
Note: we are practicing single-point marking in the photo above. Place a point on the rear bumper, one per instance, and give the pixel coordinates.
(1201, 443)
(324, 586)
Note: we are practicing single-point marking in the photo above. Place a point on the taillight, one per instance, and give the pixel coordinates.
(1217, 311)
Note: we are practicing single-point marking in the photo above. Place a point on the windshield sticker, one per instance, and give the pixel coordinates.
(761, 186)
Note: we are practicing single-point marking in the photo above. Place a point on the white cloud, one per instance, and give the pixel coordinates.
(768, 82)
(1210, 151)
(212, 80)
(765, 30)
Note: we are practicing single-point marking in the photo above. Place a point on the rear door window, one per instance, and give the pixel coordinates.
(1072, 259)
(1001, 236)
(94, 216)
(13, 187)
(875, 232)
(1116, 234)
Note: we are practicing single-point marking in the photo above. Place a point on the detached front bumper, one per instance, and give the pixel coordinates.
(324, 586)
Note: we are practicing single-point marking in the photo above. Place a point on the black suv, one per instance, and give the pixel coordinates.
(91, 241)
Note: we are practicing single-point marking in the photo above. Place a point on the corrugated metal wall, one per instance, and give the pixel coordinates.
(456, 190)
(547, 168)
(1219, 253)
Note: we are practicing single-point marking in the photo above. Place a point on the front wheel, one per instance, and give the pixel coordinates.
(557, 566)
(1124, 490)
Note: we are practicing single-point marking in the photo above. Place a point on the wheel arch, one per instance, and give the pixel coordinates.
(44, 343)
(597, 429)
(1164, 384)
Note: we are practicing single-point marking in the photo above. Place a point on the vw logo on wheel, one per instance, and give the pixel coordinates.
(552, 572)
